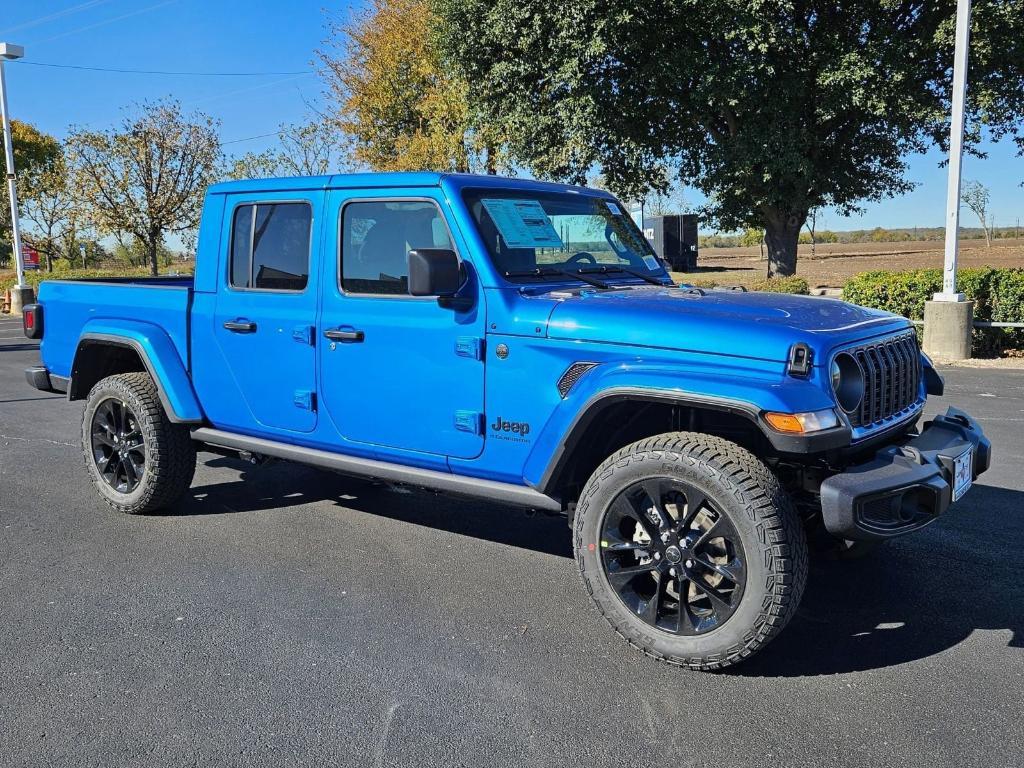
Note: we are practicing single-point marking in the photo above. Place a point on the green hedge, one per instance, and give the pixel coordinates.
(35, 277)
(998, 295)
(783, 285)
(772, 284)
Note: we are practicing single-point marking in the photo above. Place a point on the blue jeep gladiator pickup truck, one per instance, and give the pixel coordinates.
(519, 342)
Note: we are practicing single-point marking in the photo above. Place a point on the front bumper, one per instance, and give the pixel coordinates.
(905, 486)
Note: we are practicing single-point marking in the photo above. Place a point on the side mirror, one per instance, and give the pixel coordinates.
(434, 272)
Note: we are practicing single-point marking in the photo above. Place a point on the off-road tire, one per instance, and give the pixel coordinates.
(170, 452)
(762, 515)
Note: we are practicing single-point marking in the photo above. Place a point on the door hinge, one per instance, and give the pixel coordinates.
(304, 399)
(469, 346)
(304, 334)
(469, 421)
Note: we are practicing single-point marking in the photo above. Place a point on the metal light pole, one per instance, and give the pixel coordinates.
(21, 294)
(948, 318)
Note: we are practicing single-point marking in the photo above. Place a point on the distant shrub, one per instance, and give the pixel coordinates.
(62, 271)
(783, 285)
(770, 285)
(998, 296)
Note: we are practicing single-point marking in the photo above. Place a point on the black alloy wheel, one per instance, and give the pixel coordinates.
(118, 446)
(673, 560)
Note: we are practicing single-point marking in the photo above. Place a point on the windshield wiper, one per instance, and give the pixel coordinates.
(606, 268)
(545, 271)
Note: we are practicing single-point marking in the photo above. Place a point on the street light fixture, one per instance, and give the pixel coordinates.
(21, 294)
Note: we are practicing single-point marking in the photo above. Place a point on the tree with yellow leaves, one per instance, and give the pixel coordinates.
(394, 97)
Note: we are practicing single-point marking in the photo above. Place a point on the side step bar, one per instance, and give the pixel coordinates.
(518, 495)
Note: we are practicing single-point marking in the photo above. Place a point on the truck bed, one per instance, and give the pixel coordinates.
(73, 307)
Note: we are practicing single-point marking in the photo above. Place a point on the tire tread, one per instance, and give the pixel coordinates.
(759, 490)
(170, 452)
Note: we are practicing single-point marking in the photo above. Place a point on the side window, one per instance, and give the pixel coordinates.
(376, 239)
(270, 246)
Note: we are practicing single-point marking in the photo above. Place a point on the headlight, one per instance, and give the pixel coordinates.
(847, 382)
(802, 423)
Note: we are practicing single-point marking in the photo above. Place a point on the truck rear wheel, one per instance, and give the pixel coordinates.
(137, 458)
(691, 549)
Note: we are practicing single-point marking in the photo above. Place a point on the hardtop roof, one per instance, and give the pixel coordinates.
(399, 179)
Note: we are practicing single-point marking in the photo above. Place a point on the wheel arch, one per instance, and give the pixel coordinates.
(613, 418)
(103, 352)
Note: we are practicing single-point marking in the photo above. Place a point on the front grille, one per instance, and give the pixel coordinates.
(892, 378)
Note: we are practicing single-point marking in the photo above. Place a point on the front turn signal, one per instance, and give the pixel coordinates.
(802, 423)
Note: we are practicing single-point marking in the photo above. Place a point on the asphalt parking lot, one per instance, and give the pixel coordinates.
(285, 616)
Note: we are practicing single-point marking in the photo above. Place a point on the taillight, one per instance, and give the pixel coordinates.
(32, 320)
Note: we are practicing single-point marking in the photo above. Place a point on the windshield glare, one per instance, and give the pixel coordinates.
(529, 233)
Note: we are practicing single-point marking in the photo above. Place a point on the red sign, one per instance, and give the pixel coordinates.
(29, 257)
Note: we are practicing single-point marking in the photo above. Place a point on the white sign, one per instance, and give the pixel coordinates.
(522, 223)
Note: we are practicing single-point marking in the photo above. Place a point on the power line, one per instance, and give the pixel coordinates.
(250, 138)
(158, 71)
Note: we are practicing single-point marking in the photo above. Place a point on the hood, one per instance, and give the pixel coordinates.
(720, 321)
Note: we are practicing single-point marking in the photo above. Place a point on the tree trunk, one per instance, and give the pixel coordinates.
(154, 240)
(781, 235)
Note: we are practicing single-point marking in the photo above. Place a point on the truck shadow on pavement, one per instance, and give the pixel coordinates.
(19, 347)
(917, 597)
(284, 485)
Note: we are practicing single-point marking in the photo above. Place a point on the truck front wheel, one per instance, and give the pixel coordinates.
(137, 458)
(691, 549)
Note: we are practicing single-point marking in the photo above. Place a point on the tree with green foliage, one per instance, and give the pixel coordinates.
(36, 155)
(976, 196)
(304, 149)
(770, 108)
(148, 177)
(51, 211)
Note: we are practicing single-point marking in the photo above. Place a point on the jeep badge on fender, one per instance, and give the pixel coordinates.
(515, 427)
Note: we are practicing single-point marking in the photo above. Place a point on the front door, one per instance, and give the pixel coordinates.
(265, 314)
(399, 372)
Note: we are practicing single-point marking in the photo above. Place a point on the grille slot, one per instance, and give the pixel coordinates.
(571, 376)
(892, 377)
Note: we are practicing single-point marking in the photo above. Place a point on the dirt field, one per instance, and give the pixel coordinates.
(835, 263)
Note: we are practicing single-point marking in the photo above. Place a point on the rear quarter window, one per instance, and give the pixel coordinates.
(270, 246)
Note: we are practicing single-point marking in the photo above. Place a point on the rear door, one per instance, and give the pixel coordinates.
(265, 316)
(401, 372)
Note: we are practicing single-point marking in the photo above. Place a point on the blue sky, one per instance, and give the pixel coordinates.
(254, 36)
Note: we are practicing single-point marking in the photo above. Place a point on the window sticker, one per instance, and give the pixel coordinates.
(616, 211)
(651, 262)
(522, 223)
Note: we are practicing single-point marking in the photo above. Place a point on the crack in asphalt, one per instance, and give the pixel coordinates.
(37, 440)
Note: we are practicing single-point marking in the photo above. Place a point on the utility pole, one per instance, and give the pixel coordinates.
(21, 294)
(949, 318)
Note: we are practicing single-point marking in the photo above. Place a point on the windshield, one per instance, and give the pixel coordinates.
(542, 234)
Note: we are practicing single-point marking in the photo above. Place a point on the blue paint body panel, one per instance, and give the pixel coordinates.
(427, 386)
(71, 305)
